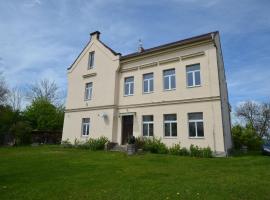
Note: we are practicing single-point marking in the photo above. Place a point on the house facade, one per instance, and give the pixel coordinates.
(176, 92)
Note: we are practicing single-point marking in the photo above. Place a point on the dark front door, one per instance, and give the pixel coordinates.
(127, 128)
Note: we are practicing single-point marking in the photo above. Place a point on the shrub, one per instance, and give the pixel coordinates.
(139, 142)
(196, 151)
(95, 144)
(246, 136)
(21, 132)
(154, 145)
(66, 143)
(175, 149)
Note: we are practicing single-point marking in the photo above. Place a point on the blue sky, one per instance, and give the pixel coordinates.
(41, 38)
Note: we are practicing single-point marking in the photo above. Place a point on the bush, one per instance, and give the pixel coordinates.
(94, 144)
(246, 136)
(196, 151)
(154, 145)
(66, 143)
(177, 150)
(21, 132)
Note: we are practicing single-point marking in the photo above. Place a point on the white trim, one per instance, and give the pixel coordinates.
(148, 80)
(128, 84)
(148, 127)
(170, 122)
(170, 80)
(88, 92)
(196, 128)
(87, 124)
(193, 78)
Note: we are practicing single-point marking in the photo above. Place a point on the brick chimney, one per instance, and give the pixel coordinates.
(95, 35)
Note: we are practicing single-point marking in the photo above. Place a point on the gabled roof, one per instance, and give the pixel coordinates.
(207, 36)
(112, 51)
(172, 44)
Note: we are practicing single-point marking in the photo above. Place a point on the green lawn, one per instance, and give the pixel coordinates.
(51, 172)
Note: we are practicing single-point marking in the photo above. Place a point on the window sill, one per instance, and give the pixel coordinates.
(167, 90)
(128, 95)
(196, 137)
(84, 136)
(148, 92)
(195, 86)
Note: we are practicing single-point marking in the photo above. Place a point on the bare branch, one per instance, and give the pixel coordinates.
(15, 99)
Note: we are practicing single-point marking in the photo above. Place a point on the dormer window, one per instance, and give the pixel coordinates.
(91, 60)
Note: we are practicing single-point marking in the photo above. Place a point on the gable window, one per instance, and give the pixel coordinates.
(88, 91)
(148, 83)
(91, 60)
(169, 79)
(148, 125)
(195, 121)
(85, 126)
(193, 75)
(129, 86)
(170, 125)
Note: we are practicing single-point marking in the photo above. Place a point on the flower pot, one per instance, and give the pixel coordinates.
(131, 149)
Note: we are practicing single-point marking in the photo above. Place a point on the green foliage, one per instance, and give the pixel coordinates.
(7, 118)
(44, 116)
(66, 143)
(91, 144)
(95, 144)
(246, 136)
(154, 145)
(177, 150)
(21, 132)
(196, 151)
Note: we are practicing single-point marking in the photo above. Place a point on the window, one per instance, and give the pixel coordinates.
(148, 83)
(195, 121)
(85, 126)
(88, 91)
(129, 86)
(193, 75)
(148, 125)
(169, 79)
(91, 60)
(170, 125)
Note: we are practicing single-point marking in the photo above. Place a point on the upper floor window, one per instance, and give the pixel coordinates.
(88, 91)
(129, 86)
(169, 79)
(170, 125)
(148, 125)
(85, 126)
(91, 60)
(193, 75)
(148, 83)
(195, 121)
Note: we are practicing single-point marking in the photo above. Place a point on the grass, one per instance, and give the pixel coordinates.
(51, 172)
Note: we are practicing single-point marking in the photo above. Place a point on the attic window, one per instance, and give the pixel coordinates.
(91, 60)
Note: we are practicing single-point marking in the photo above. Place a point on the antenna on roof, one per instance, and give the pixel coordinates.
(140, 48)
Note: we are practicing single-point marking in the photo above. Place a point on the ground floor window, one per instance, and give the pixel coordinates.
(170, 125)
(195, 121)
(85, 126)
(148, 125)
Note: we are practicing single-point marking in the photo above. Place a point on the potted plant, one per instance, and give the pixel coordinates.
(131, 146)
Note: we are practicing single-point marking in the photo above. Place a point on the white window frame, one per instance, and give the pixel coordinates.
(91, 60)
(193, 77)
(170, 80)
(148, 81)
(88, 91)
(129, 86)
(196, 128)
(147, 123)
(87, 124)
(169, 122)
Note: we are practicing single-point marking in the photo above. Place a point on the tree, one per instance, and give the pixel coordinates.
(15, 99)
(43, 115)
(256, 115)
(44, 89)
(3, 90)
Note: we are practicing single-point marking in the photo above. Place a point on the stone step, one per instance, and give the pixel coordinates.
(122, 148)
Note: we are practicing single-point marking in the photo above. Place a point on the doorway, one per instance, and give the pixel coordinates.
(127, 128)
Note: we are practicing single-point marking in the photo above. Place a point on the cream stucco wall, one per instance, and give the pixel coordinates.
(108, 77)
